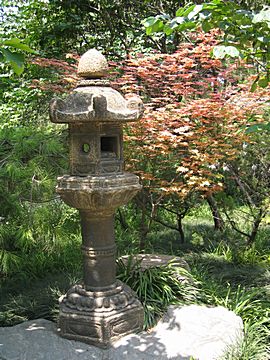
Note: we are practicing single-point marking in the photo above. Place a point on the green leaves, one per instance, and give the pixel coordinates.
(189, 11)
(246, 33)
(154, 24)
(18, 44)
(196, 10)
(14, 58)
(178, 23)
(258, 127)
(261, 81)
(157, 287)
(187, 18)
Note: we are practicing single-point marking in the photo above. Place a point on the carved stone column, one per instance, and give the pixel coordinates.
(98, 250)
(102, 309)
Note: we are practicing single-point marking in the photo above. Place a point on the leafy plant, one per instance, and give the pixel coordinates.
(244, 32)
(248, 176)
(157, 287)
(194, 107)
(9, 53)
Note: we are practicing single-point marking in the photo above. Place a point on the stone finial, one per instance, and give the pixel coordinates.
(92, 65)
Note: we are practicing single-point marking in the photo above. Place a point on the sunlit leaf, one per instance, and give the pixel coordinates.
(263, 82)
(219, 52)
(16, 60)
(195, 11)
(184, 11)
(18, 44)
(263, 15)
(232, 51)
(149, 21)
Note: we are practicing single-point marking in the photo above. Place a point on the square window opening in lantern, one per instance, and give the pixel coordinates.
(109, 147)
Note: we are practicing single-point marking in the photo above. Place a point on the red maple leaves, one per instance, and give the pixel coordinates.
(194, 119)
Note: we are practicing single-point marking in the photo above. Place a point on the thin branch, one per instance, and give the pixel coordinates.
(242, 187)
(41, 201)
(182, 214)
(232, 223)
(165, 224)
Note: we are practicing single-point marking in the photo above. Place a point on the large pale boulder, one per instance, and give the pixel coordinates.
(198, 331)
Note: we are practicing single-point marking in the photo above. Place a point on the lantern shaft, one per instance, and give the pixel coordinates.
(99, 251)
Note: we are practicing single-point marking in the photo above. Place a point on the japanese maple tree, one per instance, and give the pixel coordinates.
(193, 123)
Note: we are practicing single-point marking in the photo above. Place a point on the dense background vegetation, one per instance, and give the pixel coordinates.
(205, 178)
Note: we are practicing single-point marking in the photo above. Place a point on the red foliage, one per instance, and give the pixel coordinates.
(195, 111)
(65, 72)
(192, 123)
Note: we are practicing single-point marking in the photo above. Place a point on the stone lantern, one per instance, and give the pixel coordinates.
(102, 309)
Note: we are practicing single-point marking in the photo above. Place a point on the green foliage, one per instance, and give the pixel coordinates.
(33, 298)
(57, 27)
(32, 154)
(157, 287)
(14, 58)
(254, 345)
(244, 32)
(248, 177)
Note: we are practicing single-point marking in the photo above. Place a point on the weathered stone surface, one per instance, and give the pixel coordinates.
(94, 100)
(100, 317)
(203, 332)
(197, 331)
(100, 310)
(39, 340)
(92, 64)
(99, 194)
(95, 104)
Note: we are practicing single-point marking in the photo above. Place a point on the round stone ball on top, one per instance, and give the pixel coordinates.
(92, 65)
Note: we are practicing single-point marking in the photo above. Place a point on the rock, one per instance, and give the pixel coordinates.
(203, 332)
(147, 261)
(197, 331)
(152, 260)
(38, 340)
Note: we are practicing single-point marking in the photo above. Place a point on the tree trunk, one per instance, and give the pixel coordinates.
(255, 228)
(180, 229)
(144, 225)
(144, 229)
(218, 221)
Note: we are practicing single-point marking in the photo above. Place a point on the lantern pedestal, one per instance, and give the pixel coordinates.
(100, 317)
(103, 309)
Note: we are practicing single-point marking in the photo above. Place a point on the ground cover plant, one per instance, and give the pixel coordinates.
(218, 276)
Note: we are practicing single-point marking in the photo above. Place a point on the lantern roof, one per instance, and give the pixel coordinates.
(94, 100)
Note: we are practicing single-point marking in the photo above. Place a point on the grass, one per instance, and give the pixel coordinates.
(158, 287)
(254, 345)
(222, 272)
(30, 299)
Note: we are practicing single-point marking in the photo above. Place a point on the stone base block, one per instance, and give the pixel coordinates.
(100, 318)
